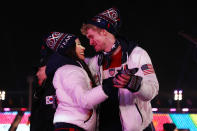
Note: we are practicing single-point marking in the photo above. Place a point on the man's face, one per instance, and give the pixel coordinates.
(96, 39)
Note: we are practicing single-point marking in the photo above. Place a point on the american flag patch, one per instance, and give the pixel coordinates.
(111, 72)
(147, 69)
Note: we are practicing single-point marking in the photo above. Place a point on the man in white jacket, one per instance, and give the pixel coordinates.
(131, 70)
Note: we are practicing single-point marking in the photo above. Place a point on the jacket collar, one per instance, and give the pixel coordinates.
(127, 47)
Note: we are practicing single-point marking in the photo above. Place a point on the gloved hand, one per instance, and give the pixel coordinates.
(126, 78)
(124, 71)
(134, 83)
(108, 87)
(128, 71)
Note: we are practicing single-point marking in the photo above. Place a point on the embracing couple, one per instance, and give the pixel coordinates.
(111, 91)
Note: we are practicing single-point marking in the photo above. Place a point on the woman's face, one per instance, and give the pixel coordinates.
(79, 49)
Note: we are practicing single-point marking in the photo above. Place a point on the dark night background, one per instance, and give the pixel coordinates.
(155, 24)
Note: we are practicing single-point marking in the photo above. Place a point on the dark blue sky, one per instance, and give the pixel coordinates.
(155, 24)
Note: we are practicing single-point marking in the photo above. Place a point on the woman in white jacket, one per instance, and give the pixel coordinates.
(73, 83)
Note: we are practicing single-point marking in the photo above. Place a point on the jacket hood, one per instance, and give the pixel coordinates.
(55, 61)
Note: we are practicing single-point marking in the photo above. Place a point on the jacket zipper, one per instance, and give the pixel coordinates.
(139, 112)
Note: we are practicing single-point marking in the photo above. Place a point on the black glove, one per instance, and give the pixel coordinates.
(134, 82)
(127, 71)
(108, 87)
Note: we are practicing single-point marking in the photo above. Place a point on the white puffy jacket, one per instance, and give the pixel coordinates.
(76, 97)
(135, 108)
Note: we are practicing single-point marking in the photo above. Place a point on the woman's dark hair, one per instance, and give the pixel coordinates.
(71, 52)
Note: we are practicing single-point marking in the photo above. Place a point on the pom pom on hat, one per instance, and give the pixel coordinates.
(109, 20)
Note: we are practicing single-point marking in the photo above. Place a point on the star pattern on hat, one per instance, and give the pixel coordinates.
(53, 40)
(108, 19)
(98, 20)
(112, 14)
